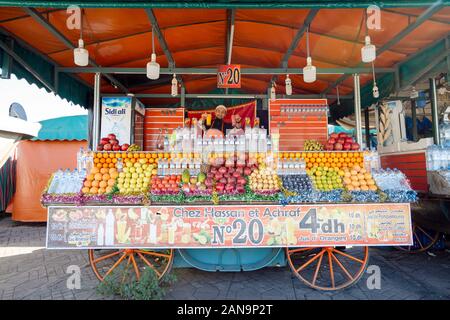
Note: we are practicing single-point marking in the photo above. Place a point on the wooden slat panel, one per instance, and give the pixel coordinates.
(275, 119)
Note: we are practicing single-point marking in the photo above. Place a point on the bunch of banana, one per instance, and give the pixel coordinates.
(123, 236)
(312, 145)
(134, 147)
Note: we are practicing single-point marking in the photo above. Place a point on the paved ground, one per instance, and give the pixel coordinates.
(28, 271)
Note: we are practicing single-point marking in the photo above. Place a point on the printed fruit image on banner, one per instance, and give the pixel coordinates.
(227, 226)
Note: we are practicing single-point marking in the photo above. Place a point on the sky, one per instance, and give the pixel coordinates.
(38, 103)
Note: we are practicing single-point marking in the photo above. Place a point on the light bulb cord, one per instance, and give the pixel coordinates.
(373, 73)
(365, 21)
(337, 94)
(153, 39)
(307, 41)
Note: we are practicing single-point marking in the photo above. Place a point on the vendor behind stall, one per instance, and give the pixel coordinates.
(217, 123)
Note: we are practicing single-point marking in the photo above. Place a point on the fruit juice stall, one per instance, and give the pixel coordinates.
(155, 189)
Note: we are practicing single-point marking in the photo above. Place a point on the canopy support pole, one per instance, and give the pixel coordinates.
(357, 92)
(183, 97)
(367, 126)
(7, 61)
(414, 119)
(434, 111)
(96, 111)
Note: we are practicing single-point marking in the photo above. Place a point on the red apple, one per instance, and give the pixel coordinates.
(329, 146)
(355, 146)
(125, 147)
(229, 188)
(343, 135)
(240, 188)
(100, 147)
(223, 170)
(334, 135)
(218, 176)
(247, 171)
(107, 147)
(213, 170)
(111, 136)
(241, 181)
(338, 146)
(340, 140)
(208, 182)
(347, 146)
(223, 180)
(236, 175)
(116, 147)
(231, 170)
(348, 140)
(220, 187)
(231, 180)
(113, 141)
(332, 140)
(240, 170)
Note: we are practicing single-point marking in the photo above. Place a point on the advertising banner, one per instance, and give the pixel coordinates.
(229, 226)
(116, 118)
(229, 76)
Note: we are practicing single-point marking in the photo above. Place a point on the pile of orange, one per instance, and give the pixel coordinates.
(330, 159)
(357, 178)
(109, 159)
(100, 181)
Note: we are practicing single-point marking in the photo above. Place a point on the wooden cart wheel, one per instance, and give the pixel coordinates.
(423, 239)
(105, 261)
(328, 268)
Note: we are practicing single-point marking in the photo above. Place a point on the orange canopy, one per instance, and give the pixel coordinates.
(198, 38)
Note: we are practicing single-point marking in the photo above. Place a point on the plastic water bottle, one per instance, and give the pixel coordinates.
(80, 159)
(55, 182)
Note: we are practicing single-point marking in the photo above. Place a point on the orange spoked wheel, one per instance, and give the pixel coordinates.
(423, 239)
(105, 261)
(328, 268)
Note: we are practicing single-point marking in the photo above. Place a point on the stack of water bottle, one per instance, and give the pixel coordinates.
(395, 184)
(66, 181)
(438, 158)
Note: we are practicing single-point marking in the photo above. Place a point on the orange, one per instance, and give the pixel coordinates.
(108, 160)
(108, 189)
(103, 170)
(166, 155)
(111, 154)
(95, 170)
(111, 182)
(133, 160)
(90, 177)
(327, 154)
(85, 190)
(321, 155)
(123, 155)
(98, 165)
(114, 160)
(129, 155)
(105, 155)
(87, 183)
(309, 165)
(154, 155)
(118, 155)
(151, 160)
(105, 165)
(98, 176)
(148, 155)
(106, 177)
(93, 190)
(102, 160)
(101, 191)
(111, 165)
(333, 154)
(141, 155)
(98, 154)
(136, 155)
(95, 183)
(96, 160)
(110, 171)
(343, 154)
(103, 184)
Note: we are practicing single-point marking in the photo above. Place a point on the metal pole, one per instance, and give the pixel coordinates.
(367, 126)
(183, 97)
(357, 108)
(96, 111)
(414, 119)
(434, 111)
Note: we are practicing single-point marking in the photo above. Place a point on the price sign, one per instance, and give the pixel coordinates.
(229, 76)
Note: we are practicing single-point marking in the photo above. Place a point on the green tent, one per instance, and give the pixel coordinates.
(64, 128)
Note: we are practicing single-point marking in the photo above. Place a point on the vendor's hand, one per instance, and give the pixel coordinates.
(204, 116)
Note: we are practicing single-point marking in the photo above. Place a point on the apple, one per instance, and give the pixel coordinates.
(347, 146)
(213, 170)
(231, 170)
(111, 136)
(218, 176)
(100, 147)
(329, 146)
(223, 170)
(240, 170)
(340, 140)
(343, 135)
(240, 164)
(355, 146)
(349, 140)
(107, 147)
(125, 147)
(247, 171)
(223, 180)
(210, 175)
(241, 181)
(338, 146)
(229, 188)
(240, 188)
(220, 186)
(116, 147)
(231, 180)
(208, 182)
(236, 174)
(332, 140)
(334, 135)
(104, 141)
(113, 141)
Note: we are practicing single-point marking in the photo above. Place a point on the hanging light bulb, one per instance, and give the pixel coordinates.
(80, 54)
(288, 83)
(153, 66)
(174, 91)
(368, 52)
(375, 91)
(309, 71)
(273, 96)
(338, 98)
(414, 93)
